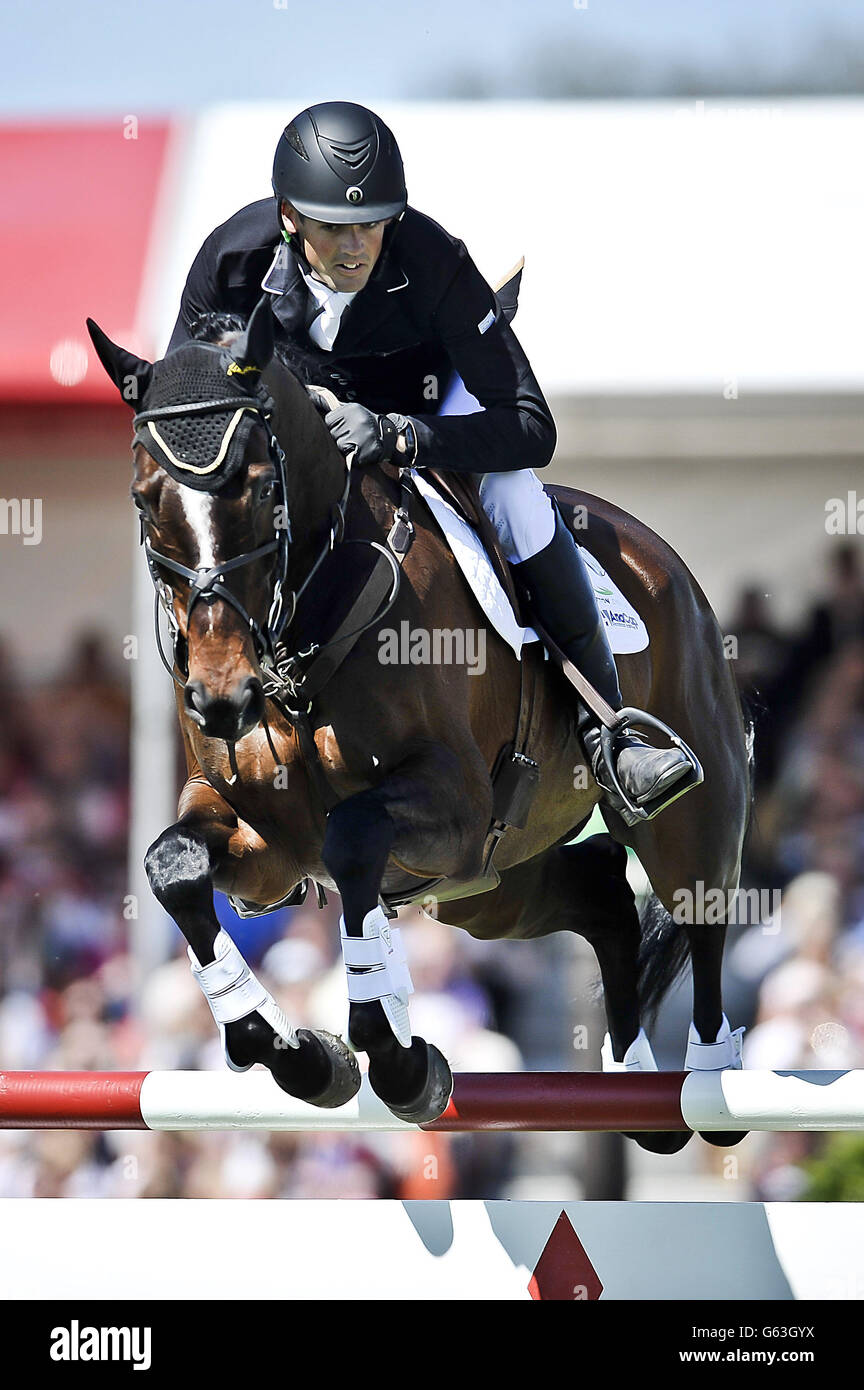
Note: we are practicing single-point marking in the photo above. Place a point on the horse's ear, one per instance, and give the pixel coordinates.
(255, 347)
(131, 375)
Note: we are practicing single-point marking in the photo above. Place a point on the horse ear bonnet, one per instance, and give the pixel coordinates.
(190, 424)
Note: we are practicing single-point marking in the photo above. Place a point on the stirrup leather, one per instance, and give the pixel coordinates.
(624, 718)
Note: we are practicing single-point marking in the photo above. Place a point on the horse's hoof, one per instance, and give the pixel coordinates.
(321, 1051)
(662, 1142)
(722, 1140)
(322, 1070)
(433, 1097)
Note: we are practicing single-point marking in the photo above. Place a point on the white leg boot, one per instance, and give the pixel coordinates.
(724, 1052)
(638, 1056)
(233, 991)
(376, 968)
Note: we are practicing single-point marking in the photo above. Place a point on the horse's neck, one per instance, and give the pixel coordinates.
(312, 509)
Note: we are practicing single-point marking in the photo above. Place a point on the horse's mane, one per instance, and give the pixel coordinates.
(218, 327)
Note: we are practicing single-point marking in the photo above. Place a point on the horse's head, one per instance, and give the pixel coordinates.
(218, 503)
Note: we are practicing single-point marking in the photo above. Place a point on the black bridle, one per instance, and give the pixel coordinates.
(209, 582)
(279, 668)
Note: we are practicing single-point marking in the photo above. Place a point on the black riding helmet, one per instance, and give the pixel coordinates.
(338, 162)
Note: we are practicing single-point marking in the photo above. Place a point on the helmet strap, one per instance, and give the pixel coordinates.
(291, 238)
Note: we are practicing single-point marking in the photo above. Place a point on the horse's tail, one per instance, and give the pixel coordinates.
(663, 955)
(664, 950)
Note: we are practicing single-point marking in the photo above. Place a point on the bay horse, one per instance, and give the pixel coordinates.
(383, 779)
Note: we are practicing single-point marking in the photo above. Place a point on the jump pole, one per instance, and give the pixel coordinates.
(542, 1102)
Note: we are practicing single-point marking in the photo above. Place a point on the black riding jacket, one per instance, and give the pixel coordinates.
(425, 312)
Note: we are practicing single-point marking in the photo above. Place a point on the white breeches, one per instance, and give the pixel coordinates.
(520, 511)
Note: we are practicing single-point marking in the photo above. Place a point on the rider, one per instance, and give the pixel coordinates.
(391, 306)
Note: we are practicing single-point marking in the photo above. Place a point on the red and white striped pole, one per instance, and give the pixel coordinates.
(537, 1101)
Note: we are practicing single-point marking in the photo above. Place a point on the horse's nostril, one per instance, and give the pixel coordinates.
(252, 699)
(195, 700)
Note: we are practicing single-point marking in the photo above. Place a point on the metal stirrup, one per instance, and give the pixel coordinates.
(624, 718)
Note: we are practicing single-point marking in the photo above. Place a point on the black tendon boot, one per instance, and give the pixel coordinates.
(561, 596)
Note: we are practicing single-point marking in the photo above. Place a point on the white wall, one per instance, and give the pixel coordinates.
(669, 245)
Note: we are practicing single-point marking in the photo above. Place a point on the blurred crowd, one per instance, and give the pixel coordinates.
(66, 1000)
(800, 973)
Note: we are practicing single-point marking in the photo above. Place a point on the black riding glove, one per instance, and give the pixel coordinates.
(373, 436)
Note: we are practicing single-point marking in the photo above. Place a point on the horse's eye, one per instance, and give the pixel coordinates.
(266, 491)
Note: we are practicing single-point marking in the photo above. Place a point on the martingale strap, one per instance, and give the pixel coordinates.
(294, 693)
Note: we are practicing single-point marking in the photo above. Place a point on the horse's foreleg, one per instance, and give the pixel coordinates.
(207, 845)
(424, 805)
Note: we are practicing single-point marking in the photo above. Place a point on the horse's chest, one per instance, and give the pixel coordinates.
(274, 785)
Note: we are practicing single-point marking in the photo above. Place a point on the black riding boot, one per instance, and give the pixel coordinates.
(560, 594)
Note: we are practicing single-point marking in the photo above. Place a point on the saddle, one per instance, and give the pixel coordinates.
(463, 491)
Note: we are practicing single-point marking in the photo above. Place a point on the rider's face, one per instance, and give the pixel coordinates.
(343, 255)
